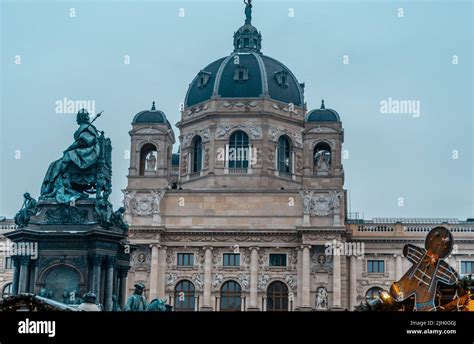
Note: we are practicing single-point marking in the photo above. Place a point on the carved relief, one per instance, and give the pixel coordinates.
(275, 132)
(204, 133)
(320, 204)
(291, 281)
(222, 131)
(146, 205)
(217, 280)
(183, 237)
(240, 104)
(66, 214)
(198, 281)
(197, 109)
(148, 130)
(140, 259)
(170, 259)
(206, 157)
(184, 163)
(171, 279)
(319, 129)
(293, 260)
(244, 281)
(319, 260)
(263, 281)
(262, 260)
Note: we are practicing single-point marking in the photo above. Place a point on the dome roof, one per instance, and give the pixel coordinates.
(150, 116)
(322, 115)
(255, 75)
(246, 73)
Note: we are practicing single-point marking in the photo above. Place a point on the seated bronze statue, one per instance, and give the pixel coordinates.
(85, 167)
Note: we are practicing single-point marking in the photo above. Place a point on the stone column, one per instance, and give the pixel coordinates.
(306, 283)
(353, 283)
(96, 261)
(212, 149)
(161, 284)
(123, 286)
(206, 302)
(398, 267)
(253, 306)
(16, 275)
(23, 280)
(336, 281)
(299, 279)
(154, 271)
(109, 283)
(33, 274)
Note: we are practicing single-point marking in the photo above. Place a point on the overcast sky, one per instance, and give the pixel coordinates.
(412, 164)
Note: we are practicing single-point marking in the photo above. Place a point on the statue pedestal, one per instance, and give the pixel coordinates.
(74, 254)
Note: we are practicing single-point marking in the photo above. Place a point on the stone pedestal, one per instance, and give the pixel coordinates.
(73, 254)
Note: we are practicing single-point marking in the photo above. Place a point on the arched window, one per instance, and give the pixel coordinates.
(373, 293)
(197, 154)
(284, 155)
(184, 296)
(230, 296)
(7, 290)
(148, 159)
(238, 152)
(322, 158)
(277, 297)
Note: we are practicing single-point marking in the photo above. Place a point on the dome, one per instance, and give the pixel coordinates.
(322, 115)
(150, 116)
(246, 73)
(255, 75)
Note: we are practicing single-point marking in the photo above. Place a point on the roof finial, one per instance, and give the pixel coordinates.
(248, 11)
(322, 104)
(153, 106)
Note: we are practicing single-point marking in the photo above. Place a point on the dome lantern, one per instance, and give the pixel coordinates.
(247, 38)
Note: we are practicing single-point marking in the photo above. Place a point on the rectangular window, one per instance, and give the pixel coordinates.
(185, 259)
(277, 259)
(231, 259)
(8, 263)
(467, 267)
(375, 266)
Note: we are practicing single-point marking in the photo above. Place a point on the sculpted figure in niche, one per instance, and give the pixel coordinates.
(322, 298)
(151, 162)
(322, 158)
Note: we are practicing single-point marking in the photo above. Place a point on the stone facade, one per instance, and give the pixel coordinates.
(6, 265)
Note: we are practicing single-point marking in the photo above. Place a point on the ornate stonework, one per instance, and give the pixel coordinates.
(144, 205)
(320, 204)
(275, 132)
(254, 131)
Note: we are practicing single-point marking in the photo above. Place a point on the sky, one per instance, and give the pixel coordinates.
(356, 55)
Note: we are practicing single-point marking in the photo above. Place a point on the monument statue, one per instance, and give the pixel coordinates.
(27, 210)
(248, 11)
(117, 219)
(136, 302)
(85, 167)
(89, 304)
(158, 305)
(115, 305)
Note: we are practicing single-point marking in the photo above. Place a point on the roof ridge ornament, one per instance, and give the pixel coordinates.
(322, 104)
(153, 108)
